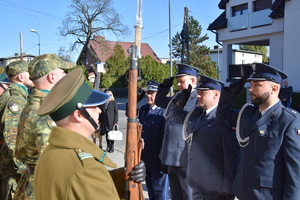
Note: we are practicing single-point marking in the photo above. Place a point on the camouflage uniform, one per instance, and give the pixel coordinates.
(16, 99)
(34, 130)
(32, 138)
(13, 100)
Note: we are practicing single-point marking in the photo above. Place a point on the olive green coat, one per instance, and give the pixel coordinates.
(71, 168)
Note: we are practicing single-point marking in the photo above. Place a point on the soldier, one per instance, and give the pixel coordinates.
(4, 81)
(213, 149)
(269, 136)
(72, 166)
(33, 131)
(174, 149)
(13, 100)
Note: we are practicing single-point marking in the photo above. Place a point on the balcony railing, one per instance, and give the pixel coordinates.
(254, 19)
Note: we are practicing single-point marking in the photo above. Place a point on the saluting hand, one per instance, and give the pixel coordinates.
(168, 82)
(236, 87)
(185, 95)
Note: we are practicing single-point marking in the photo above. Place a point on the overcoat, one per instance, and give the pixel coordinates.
(112, 113)
(73, 167)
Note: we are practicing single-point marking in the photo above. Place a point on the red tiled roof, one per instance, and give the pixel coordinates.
(103, 55)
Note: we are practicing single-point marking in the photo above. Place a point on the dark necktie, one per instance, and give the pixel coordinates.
(259, 116)
(203, 114)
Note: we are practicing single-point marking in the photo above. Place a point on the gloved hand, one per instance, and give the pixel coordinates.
(185, 95)
(236, 87)
(140, 96)
(226, 196)
(138, 172)
(168, 82)
(164, 169)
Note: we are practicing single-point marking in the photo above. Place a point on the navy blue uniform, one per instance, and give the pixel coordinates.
(270, 161)
(174, 150)
(153, 123)
(213, 153)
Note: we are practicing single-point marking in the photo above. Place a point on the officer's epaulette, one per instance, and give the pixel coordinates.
(291, 111)
(85, 158)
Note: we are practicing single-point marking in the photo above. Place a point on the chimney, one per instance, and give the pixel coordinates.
(216, 46)
(16, 54)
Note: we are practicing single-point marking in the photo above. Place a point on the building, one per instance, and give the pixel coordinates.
(5, 61)
(272, 23)
(239, 57)
(106, 50)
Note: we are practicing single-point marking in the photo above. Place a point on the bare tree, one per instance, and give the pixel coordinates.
(89, 18)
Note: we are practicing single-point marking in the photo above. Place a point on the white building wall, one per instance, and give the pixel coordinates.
(291, 41)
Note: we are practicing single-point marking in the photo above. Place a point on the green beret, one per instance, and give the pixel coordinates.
(16, 67)
(64, 97)
(44, 64)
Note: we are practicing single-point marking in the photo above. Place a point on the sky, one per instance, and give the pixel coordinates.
(45, 17)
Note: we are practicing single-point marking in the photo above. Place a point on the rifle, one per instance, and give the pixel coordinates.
(134, 144)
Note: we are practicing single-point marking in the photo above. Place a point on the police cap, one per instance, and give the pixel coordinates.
(264, 72)
(67, 94)
(184, 69)
(208, 83)
(152, 86)
(16, 67)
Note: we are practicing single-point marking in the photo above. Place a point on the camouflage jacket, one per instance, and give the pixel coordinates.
(5, 96)
(33, 130)
(16, 98)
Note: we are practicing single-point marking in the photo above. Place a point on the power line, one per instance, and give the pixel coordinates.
(18, 6)
(160, 32)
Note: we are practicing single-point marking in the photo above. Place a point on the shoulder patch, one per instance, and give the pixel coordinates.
(84, 155)
(14, 107)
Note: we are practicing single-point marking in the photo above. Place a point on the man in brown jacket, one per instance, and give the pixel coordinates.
(72, 166)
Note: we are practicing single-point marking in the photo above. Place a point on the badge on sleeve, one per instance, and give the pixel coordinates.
(14, 108)
(298, 132)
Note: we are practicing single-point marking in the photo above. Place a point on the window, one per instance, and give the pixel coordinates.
(240, 10)
(262, 5)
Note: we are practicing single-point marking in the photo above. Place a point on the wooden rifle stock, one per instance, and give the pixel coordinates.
(134, 144)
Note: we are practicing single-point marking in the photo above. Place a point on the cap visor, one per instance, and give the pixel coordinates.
(202, 88)
(96, 98)
(256, 79)
(6, 80)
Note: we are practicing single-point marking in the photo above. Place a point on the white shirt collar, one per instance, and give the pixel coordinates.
(210, 109)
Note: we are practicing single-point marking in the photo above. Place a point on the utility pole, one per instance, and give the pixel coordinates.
(170, 43)
(185, 38)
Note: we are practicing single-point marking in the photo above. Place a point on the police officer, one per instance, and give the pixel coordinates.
(153, 121)
(174, 149)
(13, 100)
(269, 136)
(33, 131)
(72, 166)
(286, 94)
(214, 151)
